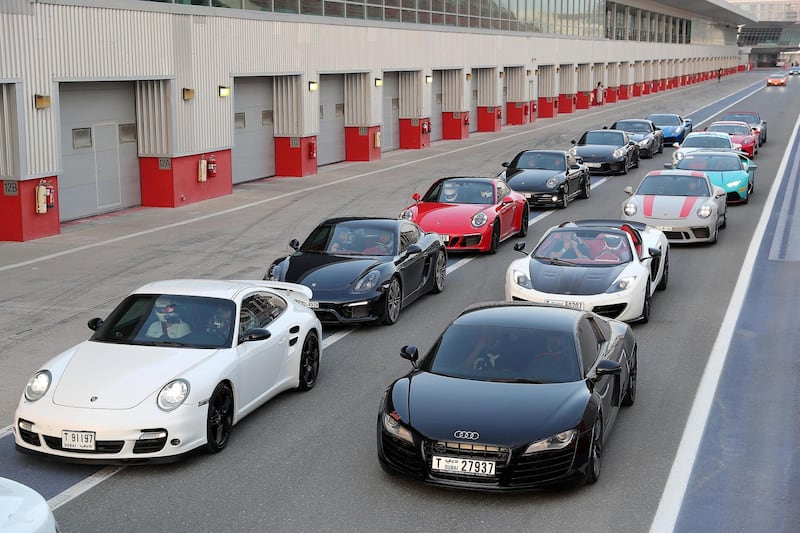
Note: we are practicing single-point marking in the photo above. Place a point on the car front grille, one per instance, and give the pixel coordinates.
(542, 467)
(610, 311)
(101, 446)
(464, 241)
(402, 455)
(464, 450)
(29, 436)
(151, 445)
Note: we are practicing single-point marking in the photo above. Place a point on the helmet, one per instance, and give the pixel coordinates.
(613, 242)
(449, 193)
(166, 310)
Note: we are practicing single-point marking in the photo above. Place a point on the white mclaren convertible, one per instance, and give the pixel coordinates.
(171, 370)
(610, 267)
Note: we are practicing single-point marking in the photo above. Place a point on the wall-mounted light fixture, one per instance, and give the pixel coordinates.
(558, 70)
(188, 94)
(591, 68)
(313, 86)
(378, 82)
(536, 71)
(224, 91)
(577, 69)
(502, 74)
(469, 76)
(428, 79)
(528, 72)
(41, 101)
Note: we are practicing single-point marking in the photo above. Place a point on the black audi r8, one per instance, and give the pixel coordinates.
(364, 269)
(512, 396)
(607, 151)
(548, 177)
(644, 132)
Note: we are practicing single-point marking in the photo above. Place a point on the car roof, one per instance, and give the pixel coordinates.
(732, 122)
(337, 220)
(707, 134)
(713, 151)
(677, 172)
(212, 288)
(604, 223)
(519, 314)
(538, 151)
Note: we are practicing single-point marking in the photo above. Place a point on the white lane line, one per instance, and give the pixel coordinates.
(5, 431)
(675, 489)
(82, 486)
(303, 191)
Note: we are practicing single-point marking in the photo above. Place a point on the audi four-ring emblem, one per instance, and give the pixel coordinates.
(467, 435)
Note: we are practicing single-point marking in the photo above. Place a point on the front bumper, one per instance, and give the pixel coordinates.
(470, 242)
(544, 198)
(117, 432)
(682, 231)
(356, 311)
(605, 167)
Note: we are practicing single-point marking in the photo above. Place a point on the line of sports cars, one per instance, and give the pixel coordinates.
(517, 394)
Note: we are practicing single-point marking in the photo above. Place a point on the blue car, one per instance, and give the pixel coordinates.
(674, 127)
(733, 171)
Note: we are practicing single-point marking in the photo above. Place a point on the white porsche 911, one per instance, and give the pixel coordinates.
(171, 370)
(610, 267)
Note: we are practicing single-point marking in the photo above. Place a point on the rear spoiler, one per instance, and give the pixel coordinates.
(299, 293)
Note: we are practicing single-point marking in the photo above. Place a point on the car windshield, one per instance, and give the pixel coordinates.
(743, 117)
(711, 163)
(352, 237)
(706, 141)
(541, 161)
(461, 191)
(595, 247)
(633, 126)
(673, 185)
(170, 320)
(607, 138)
(730, 129)
(665, 120)
(498, 353)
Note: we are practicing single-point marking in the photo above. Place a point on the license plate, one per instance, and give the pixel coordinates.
(445, 238)
(565, 303)
(77, 440)
(313, 305)
(528, 195)
(456, 465)
(664, 228)
(594, 165)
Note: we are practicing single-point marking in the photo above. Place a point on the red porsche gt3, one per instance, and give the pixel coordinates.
(470, 213)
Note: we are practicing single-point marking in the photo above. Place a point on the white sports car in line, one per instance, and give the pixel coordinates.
(172, 369)
(610, 267)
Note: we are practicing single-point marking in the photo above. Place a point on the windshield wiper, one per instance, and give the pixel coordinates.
(521, 380)
(168, 344)
(554, 260)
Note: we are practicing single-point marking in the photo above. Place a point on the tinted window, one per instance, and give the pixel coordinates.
(712, 163)
(541, 160)
(589, 343)
(665, 120)
(608, 138)
(409, 234)
(673, 186)
(706, 141)
(259, 310)
(635, 126)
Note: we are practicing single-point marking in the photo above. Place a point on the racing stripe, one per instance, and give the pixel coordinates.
(647, 205)
(688, 203)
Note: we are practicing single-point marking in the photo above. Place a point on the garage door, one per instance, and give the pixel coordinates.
(390, 116)
(331, 139)
(253, 154)
(99, 151)
(436, 106)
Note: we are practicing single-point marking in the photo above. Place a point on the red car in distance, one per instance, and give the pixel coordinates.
(472, 214)
(740, 134)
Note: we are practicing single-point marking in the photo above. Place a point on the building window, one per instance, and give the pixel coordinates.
(127, 133)
(81, 138)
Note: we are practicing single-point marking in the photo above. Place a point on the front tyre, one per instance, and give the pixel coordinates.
(392, 302)
(595, 452)
(495, 242)
(662, 283)
(523, 222)
(646, 305)
(586, 190)
(309, 362)
(630, 393)
(439, 272)
(219, 422)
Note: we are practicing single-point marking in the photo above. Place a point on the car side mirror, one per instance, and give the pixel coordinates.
(667, 165)
(519, 246)
(414, 249)
(607, 367)
(574, 166)
(654, 252)
(573, 141)
(632, 143)
(628, 190)
(95, 323)
(676, 145)
(294, 244)
(505, 164)
(719, 192)
(255, 334)
(507, 200)
(579, 159)
(416, 197)
(410, 353)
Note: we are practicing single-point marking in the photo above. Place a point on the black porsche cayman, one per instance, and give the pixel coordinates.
(364, 269)
(512, 396)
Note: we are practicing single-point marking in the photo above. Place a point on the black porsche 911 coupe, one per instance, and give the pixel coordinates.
(548, 177)
(364, 269)
(607, 151)
(512, 396)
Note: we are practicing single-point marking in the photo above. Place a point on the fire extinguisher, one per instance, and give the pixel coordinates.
(426, 127)
(466, 119)
(312, 150)
(499, 113)
(45, 196)
(211, 166)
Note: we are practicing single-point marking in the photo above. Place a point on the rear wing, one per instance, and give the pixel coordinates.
(299, 293)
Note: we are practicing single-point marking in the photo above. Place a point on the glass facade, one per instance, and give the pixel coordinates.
(578, 18)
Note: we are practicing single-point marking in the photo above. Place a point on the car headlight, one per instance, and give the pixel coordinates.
(273, 273)
(37, 386)
(679, 156)
(554, 442)
(521, 279)
(619, 152)
(479, 219)
(704, 211)
(621, 284)
(551, 183)
(394, 427)
(368, 282)
(173, 394)
(630, 208)
(405, 215)
(733, 183)
(644, 143)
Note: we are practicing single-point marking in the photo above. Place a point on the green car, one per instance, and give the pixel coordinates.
(733, 171)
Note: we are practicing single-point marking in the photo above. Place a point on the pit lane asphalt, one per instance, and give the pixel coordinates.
(307, 462)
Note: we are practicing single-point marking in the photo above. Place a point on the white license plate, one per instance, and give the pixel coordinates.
(664, 228)
(456, 465)
(77, 440)
(594, 165)
(528, 195)
(565, 303)
(445, 238)
(313, 305)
